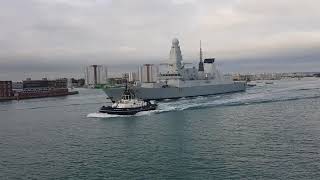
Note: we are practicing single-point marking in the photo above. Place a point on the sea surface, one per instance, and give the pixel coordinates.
(271, 131)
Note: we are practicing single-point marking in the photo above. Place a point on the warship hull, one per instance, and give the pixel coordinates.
(177, 92)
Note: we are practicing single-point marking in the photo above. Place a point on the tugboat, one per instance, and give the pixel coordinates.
(251, 84)
(128, 105)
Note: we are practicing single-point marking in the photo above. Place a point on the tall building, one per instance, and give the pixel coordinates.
(132, 76)
(140, 75)
(6, 89)
(96, 74)
(147, 73)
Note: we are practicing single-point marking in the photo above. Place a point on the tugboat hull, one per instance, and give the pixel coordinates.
(126, 111)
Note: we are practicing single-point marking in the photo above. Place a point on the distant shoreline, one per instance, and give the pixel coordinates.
(37, 96)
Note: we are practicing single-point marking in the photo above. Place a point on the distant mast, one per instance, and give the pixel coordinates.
(201, 68)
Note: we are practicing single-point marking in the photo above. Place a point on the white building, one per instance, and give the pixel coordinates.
(96, 74)
(148, 73)
(132, 77)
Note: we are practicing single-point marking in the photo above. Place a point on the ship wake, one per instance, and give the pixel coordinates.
(256, 95)
(279, 92)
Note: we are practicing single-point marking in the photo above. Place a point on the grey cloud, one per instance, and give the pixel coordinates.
(80, 32)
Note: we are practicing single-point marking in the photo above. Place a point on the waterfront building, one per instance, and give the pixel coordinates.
(96, 74)
(148, 73)
(44, 84)
(6, 89)
(17, 86)
(77, 82)
(116, 81)
(140, 76)
(60, 83)
(132, 77)
(43, 88)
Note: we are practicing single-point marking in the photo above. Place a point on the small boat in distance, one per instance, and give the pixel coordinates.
(251, 84)
(128, 105)
(269, 82)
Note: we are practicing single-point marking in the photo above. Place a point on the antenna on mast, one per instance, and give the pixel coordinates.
(200, 52)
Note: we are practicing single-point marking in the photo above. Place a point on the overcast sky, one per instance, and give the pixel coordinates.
(244, 35)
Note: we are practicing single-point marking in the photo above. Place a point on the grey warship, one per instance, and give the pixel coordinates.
(179, 81)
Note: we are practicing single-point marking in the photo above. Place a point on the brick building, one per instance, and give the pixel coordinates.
(6, 89)
(44, 85)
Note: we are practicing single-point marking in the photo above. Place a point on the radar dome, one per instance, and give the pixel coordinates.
(175, 41)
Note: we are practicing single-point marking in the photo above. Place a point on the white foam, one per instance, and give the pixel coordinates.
(105, 115)
(102, 115)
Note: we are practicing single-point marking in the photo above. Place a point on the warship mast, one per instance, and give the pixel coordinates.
(201, 68)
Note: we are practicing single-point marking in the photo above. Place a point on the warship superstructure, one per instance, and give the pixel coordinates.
(180, 81)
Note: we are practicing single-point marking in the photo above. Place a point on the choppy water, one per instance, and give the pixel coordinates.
(268, 132)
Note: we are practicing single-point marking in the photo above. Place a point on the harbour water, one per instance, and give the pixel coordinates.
(271, 131)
